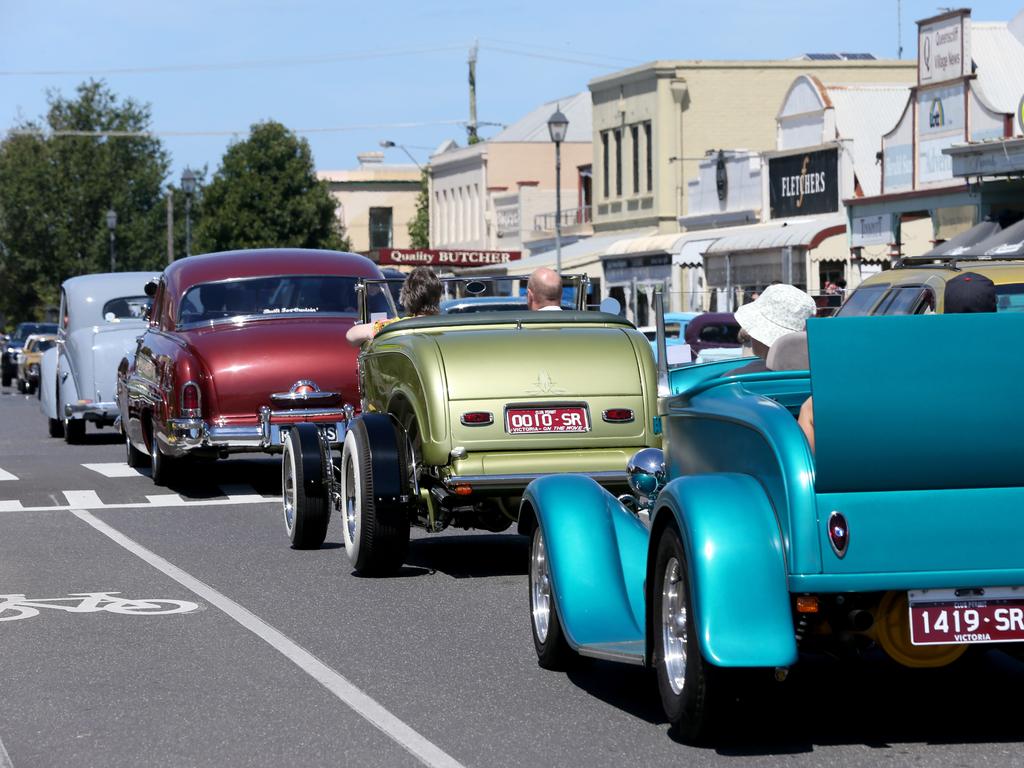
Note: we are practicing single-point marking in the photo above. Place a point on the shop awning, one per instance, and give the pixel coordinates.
(804, 233)
(588, 250)
(962, 243)
(1007, 243)
(686, 248)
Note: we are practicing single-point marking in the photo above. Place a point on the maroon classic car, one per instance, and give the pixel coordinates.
(239, 345)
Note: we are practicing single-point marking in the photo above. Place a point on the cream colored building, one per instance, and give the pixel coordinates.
(377, 202)
(492, 195)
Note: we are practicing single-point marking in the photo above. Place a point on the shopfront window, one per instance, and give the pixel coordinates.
(380, 228)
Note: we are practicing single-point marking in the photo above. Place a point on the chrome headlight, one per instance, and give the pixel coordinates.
(646, 472)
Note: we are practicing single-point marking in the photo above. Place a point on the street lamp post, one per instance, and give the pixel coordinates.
(111, 226)
(389, 144)
(558, 124)
(188, 186)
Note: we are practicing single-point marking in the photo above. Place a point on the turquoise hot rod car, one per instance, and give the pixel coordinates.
(742, 549)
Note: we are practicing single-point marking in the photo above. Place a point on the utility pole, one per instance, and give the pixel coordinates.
(899, 29)
(471, 127)
(170, 225)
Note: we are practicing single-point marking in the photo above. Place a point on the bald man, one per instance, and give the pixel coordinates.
(544, 290)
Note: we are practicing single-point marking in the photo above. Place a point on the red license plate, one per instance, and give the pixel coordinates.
(966, 616)
(560, 418)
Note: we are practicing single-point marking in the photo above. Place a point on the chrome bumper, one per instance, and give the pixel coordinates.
(610, 478)
(101, 413)
(190, 434)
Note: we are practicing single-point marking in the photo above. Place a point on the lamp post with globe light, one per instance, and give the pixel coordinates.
(188, 186)
(558, 124)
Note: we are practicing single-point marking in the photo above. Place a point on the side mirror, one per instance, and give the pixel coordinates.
(150, 288)
(610, 305)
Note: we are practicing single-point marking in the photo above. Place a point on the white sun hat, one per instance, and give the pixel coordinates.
(780, 309)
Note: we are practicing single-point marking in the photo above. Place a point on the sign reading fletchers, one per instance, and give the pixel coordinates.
(440, 258)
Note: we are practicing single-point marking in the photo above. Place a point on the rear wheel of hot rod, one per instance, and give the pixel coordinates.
(690, 688)
(306, 507)
(376, 535)
(553, 651)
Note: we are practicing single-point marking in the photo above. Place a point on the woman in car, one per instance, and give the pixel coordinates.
(420, 295)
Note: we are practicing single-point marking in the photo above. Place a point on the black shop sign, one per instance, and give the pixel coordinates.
(803, 184)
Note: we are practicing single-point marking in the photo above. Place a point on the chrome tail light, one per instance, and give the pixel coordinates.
(191, 400)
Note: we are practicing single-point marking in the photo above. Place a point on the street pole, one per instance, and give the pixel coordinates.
(558, 208)
(188, 225)
(170, 224)
(113, 258)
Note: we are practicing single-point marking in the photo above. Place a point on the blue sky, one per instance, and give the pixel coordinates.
(354, 73)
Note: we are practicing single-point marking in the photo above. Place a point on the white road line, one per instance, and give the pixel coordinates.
(11, 506)
(240, 492)
(419, 747)
(114, 469)
(165, 500)
(7, 475)
(86, 499)
(5, 759)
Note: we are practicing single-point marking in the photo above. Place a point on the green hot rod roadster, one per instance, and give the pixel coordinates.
(460, 412)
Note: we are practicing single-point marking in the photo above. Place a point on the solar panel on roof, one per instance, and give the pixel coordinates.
(858, 56)
(823, 56)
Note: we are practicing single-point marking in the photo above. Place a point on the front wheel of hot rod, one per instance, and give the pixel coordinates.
(376, 536)
(553, 651)
(690, 687)
(306, 508)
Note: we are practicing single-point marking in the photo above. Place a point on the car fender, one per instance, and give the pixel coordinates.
(736, 568)
(48, 383)
(596, 552)
(67, 387)
(385, 457)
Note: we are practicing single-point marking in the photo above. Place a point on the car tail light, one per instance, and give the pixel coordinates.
(838, 533)
(191, 403)
(304, 389)
(807, 603)
(618, 415)
(477, 418)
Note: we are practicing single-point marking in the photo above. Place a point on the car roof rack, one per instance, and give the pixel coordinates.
(951, 262)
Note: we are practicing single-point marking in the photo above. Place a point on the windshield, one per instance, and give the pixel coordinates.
(862, 300)
(127, 308)
(24, 330)
(270, 297)
(1010, 298)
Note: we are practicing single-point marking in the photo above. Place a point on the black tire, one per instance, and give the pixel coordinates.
(134, 458)
(376, 536)
(74, 431)
(162, 467)
(692, 690)
(553, 651)
(6, 378)
(305, 503)
(20, 386)
(56, 427)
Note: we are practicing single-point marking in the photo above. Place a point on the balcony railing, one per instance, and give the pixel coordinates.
(571, 217)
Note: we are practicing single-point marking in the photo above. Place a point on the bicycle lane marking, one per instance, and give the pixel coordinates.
(362, 704)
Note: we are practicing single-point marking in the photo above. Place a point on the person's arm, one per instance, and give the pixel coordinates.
(359, 333)
(806, 421)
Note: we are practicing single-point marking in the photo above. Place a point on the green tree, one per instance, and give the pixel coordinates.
(58, 178)
(419, 227)
(266, 194)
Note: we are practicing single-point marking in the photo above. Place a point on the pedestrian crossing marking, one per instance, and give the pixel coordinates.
(83, 499)
(166, 500)
(7, 475)
(10, 506)
(114, 469)
(240, 493)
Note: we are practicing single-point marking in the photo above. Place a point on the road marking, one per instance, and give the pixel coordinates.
(163, 500)
(86, 499)
(7, 475)
(5, 759)
(240, 492)
(114, 469)
(369, 709)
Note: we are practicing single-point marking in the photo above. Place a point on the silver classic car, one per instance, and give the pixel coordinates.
(101, 317)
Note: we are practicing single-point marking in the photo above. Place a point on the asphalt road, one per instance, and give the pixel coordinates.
(278, 657)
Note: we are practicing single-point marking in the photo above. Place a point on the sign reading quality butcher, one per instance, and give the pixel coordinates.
(416, 257)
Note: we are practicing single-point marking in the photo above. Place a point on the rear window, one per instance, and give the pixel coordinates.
(24, 330)
(862, 300)
(906, 300)
(1010, 298)
(269, 297)
(720, 333)
(127, 308)
(40, 345)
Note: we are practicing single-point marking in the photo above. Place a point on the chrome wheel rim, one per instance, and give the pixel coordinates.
(288, 488)
(350, 499)
(540, 587)
(673, 625)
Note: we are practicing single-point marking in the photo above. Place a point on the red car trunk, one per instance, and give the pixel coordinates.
(246, 364)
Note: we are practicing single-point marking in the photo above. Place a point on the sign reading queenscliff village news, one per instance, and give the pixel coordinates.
(943, 49)
(415, 257)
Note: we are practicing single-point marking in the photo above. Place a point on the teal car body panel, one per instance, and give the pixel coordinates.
(918, 426)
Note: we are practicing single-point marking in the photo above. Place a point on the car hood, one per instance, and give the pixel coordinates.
(539, 363)
(247, 362)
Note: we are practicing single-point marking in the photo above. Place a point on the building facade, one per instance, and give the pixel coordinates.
(377, 202)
